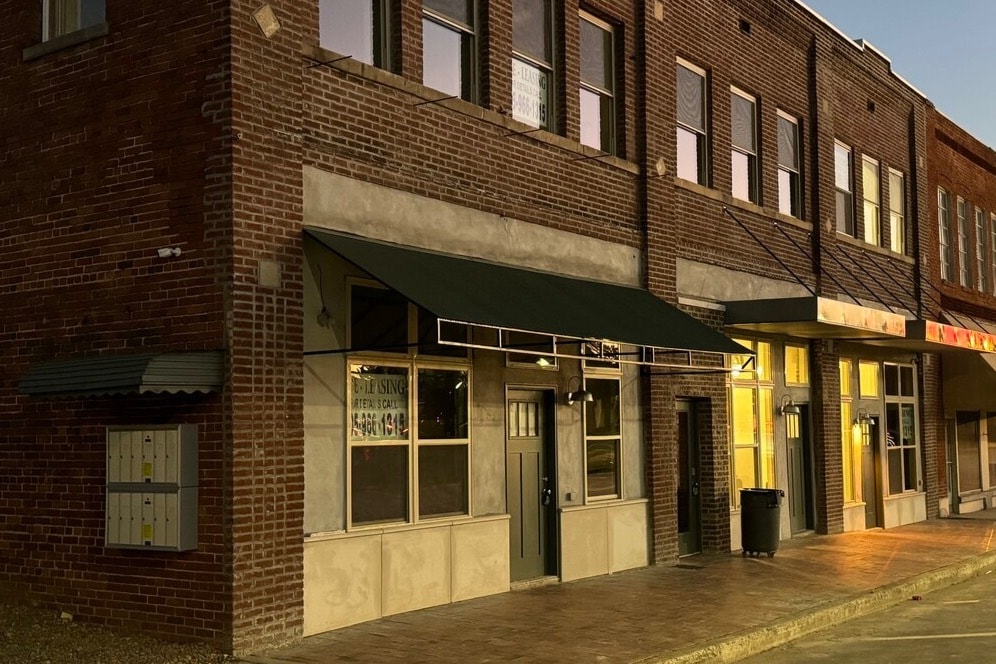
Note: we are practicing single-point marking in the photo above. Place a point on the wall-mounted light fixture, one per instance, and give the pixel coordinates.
(863, 417)
(167, 252)
(788, 406)
(579, 394)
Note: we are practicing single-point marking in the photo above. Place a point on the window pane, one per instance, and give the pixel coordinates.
(845, 213)
(906, 381)
(788, 193)
(442, 480)
(897, 212)
(92, 13)
(744, 176)
(530, 94)
(762, 361)
(847, 451)
(742, 125)
(689, 155)
(788, 144)
(591, 119)
(691, 99)
(347, 26)
(602, 414)
(378, 319)
(895, 471)
(379, 403)
(745, 476)
(596, 55)
(845, 378)
(891, 380)
(796, 365)
(442, 51)
(603, 465)
(766, 416)
(743, 417)
(869, 181)
(868, 379)
(909, 469)
(379, 480)
(541, 346)
(442, 404)
(531, 28)
(459, 10)
(969, 452)
(842, 167)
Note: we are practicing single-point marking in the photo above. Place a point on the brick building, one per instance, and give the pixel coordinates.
(317, 312)
(961, 256)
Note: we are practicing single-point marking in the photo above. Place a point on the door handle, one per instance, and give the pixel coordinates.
(695, 488)
(546, 497)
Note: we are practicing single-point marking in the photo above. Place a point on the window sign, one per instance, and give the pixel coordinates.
(379, 404)
(530, 94)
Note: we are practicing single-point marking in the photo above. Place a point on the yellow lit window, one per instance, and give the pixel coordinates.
(868, 379)
(796, 365)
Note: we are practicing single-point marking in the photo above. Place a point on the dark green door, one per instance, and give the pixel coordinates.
(529, 487)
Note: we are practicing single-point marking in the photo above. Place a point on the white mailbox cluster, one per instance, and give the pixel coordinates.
(152, 487)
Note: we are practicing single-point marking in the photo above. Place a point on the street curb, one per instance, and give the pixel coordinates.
(737, 646)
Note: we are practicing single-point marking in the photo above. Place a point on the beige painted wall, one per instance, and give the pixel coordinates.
(604, 538)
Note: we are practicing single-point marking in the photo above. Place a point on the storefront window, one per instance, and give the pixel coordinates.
(796, 365)
(902, 437)
(602, 437)
(383, 436)
(751, 405)
(849, 459)
(969, 451)
(868, 379)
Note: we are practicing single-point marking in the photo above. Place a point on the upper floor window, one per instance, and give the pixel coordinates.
(358, 28)
(980, 251)
(944, 232)
(963, 269)
(871, 189)
(789, 184)
(992, 259)
(743, 155)
(532, 63)
(449, 47)
(692, 127)
(61, 17)
(597, 93)
(843, 182)
(897, 211)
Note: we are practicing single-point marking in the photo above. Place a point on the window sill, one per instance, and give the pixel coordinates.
(603, 503)
(386, 529)
(65, 41)
(513, 128)
(735, 203)
(853, 241)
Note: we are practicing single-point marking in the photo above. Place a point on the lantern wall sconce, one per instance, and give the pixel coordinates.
(580, 394)
(788, 406)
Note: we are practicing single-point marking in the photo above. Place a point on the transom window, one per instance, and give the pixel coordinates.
(751, 406)
(901, 425)
(796, 365)
(743, 157)
(449, 47)
(944, 233)
(869, 379)
(843, 182)
(61, 17)
(691, 125)
(871, 189)
(789, 182)
(597, 75)
(533, 86)
(358, 28)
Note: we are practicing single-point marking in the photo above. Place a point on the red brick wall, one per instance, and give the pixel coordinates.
(113, 149)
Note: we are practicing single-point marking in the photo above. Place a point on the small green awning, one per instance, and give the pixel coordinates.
(476, 292)
(162, 373)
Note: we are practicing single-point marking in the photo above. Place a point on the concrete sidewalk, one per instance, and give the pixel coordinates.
(710, 608)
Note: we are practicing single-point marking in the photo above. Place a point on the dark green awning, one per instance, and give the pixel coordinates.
(480, 293)
(162, 373)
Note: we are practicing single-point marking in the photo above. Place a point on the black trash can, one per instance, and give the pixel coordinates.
(760, 520)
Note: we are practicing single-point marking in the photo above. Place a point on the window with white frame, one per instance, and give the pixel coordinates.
(751, 416)
(62, 17)
(691, 124)
(533, 86)
(603, 437)
(358, 28)
(408, 413)
(944, 233)
(844, 185)
(871, 190)
(743, 152)
(901, 425)
(981, 267)
(963, 263)
(598, 88)
(789, 181)
(449, 47)
(897, 211)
